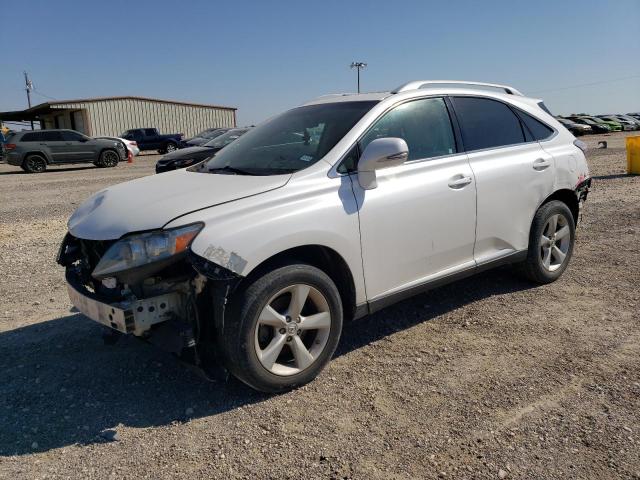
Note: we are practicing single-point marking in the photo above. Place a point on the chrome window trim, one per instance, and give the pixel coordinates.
(333, 171)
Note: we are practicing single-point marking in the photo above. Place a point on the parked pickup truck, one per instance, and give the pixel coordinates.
(151, 139)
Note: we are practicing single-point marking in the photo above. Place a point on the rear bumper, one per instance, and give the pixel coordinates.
(582, 191)
(13, 159)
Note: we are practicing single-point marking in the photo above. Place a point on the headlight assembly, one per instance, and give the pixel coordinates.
(186, 162)
(142, 249)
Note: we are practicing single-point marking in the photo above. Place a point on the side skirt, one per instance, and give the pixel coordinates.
(380, 303)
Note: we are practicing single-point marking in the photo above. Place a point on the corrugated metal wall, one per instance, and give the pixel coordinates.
(112, 117)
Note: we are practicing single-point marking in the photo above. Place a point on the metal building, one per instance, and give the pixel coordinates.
(110, 116)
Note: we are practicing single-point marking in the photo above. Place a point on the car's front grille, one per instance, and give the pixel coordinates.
(85, 254)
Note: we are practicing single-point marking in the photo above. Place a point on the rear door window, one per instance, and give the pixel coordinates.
(149, 132)
(487, 123)
(51, 136)
(424, 124)
(72, 137)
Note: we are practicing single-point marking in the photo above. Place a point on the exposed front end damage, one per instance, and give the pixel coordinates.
(177, 304)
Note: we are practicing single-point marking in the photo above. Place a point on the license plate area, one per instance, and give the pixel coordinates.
(134, 317)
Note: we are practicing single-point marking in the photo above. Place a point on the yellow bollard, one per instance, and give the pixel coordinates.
(633, 155)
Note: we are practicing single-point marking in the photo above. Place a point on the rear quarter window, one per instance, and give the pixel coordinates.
(51, 136)
(539, 130)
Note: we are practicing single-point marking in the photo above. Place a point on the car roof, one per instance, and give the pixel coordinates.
(423, 86)
(348, 97)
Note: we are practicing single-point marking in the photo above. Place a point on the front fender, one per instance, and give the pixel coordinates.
(242, 234)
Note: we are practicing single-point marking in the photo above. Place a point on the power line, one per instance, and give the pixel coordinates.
(43, 95)
(586, 84)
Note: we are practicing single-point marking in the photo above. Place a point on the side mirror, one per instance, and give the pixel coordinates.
(380, 153)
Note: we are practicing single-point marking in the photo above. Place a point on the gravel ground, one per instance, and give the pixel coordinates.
(490, 377)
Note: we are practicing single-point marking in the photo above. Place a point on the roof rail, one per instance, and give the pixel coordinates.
(417, 84)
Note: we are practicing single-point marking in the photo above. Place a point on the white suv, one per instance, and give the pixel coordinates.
(327, 212)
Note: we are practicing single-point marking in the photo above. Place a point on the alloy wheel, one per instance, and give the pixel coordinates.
(35, 164)
(110, 158)
(555, 242)
(292, 330)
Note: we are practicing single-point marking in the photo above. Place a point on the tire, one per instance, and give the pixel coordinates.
(108, 159)
(170, 147)
(253, 332)
(34, 163)
(545, 262)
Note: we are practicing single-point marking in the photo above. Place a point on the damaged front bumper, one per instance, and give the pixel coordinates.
(178, 306)
(129, 316)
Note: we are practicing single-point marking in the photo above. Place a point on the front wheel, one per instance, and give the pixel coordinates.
(283, 328)
(551, 243)
(108, 159)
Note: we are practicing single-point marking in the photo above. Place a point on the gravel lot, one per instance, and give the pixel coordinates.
(490, 377)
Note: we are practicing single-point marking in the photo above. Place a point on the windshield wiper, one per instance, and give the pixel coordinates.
(231, 170)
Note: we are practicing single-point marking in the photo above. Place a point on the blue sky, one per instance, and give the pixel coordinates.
(263, 57)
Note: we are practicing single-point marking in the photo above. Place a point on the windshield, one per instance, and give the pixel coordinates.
(226, 138)
(289, 142)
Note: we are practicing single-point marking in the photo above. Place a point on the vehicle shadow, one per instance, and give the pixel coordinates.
(427, 306)
(615, 176)
(62, 385)
(19, 171)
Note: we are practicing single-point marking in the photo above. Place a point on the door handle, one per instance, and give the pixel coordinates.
(541, 164)
(459, 181)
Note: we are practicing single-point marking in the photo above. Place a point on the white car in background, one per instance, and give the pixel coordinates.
(328, 212)
(132, 145)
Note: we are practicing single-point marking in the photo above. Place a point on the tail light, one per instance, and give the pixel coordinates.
(135, 144)
(9, 146)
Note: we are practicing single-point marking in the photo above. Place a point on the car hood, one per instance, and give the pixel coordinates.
(187, 153)
(151, 202)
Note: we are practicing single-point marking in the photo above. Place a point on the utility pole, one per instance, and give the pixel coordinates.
(28, 84)
(359, 66)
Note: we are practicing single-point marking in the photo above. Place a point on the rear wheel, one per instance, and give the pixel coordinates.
(550, 243)
(34, 163)
(283, 328)
(170, 147)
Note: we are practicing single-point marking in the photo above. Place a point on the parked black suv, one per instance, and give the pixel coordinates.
(34, 150)
(191, 155)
